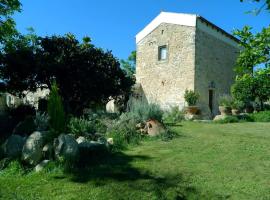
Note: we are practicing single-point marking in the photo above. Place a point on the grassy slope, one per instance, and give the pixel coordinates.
(206, 161)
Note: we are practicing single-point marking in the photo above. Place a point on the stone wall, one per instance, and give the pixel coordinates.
(215, 60)
(164, 82)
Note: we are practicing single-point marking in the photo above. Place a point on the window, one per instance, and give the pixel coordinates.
(162, 53)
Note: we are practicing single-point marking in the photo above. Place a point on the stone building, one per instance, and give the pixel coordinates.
(176, 52)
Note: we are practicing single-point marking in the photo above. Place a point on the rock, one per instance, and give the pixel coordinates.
(81, 140)
(220, 117)
(66, 146)
(47, 151)
(12, 148)
(154, 128)
(42, 165)
(32, 149)
(112, 107)
(110, 141)
(191, 117)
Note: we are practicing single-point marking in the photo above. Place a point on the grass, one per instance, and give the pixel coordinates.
(206, 161)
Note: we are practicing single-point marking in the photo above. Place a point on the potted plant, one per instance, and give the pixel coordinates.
(225, 102)
(191, 98)
(237, 106)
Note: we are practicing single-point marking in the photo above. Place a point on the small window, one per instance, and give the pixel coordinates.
(162, 53)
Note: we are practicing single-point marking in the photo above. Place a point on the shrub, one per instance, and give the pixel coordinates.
(142, 111)
(228, 119)
(245, 118)
(25, 127)
(21, 112)
(263, 116)
(56, 111)
(191, 97)
(225, 100)
(124, 131)
(237, 104)
(81, 127)
(41, 121)
(173, 116)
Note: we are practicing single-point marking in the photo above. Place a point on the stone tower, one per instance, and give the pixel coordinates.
(176, 52)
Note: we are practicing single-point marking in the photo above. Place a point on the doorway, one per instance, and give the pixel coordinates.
(211, 100)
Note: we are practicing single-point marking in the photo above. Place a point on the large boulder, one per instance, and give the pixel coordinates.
(65, 146)
(32, 149)
(41, 165)
(12, 148)
(47, 151)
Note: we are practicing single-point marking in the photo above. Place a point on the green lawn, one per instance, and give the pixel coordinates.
(206, 161)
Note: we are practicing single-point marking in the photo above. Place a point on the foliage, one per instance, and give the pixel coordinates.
(7, 24)
(92, 74)
(266, 4)
(191, 97)
(237, 104)
(173, 116)
(254, 50)
(142, 111)
(225, 100)
(124, 131)
(56, 111)
(21, 112)
(41, 121)
(263, 116)
(25, 127)
(81, 127)
(248, 88)
(129, 65)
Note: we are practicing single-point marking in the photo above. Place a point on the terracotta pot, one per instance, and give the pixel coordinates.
(225, 110)
(192, 110)
(235, 111)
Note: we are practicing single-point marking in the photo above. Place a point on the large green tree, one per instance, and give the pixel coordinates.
(7, 24)
(85, 74)
(129, 65)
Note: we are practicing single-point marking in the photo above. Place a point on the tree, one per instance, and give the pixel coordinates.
(7, 24)
(255, 50)
(266, 4)
(56, 111)
(84, 73)
(129, 65)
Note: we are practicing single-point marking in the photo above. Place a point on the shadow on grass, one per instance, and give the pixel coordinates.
(118, 168)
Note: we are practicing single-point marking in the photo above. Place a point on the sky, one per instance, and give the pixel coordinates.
(113, 24)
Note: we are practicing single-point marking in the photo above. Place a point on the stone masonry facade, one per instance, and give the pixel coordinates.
(197, 59)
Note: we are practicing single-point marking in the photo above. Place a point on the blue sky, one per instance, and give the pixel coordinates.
(113, 24)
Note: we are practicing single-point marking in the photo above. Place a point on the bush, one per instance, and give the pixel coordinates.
(228, 119)
(124, 131)
(173, 116)
(263, 116)
(237, 104)
(21, 112)
(245, 118)
(25, 127)
(81, 127)
(142, 111)
(41, 121)
(225, 100)
(56, 111)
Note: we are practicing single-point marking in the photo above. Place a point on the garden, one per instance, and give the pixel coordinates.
(70, 147)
